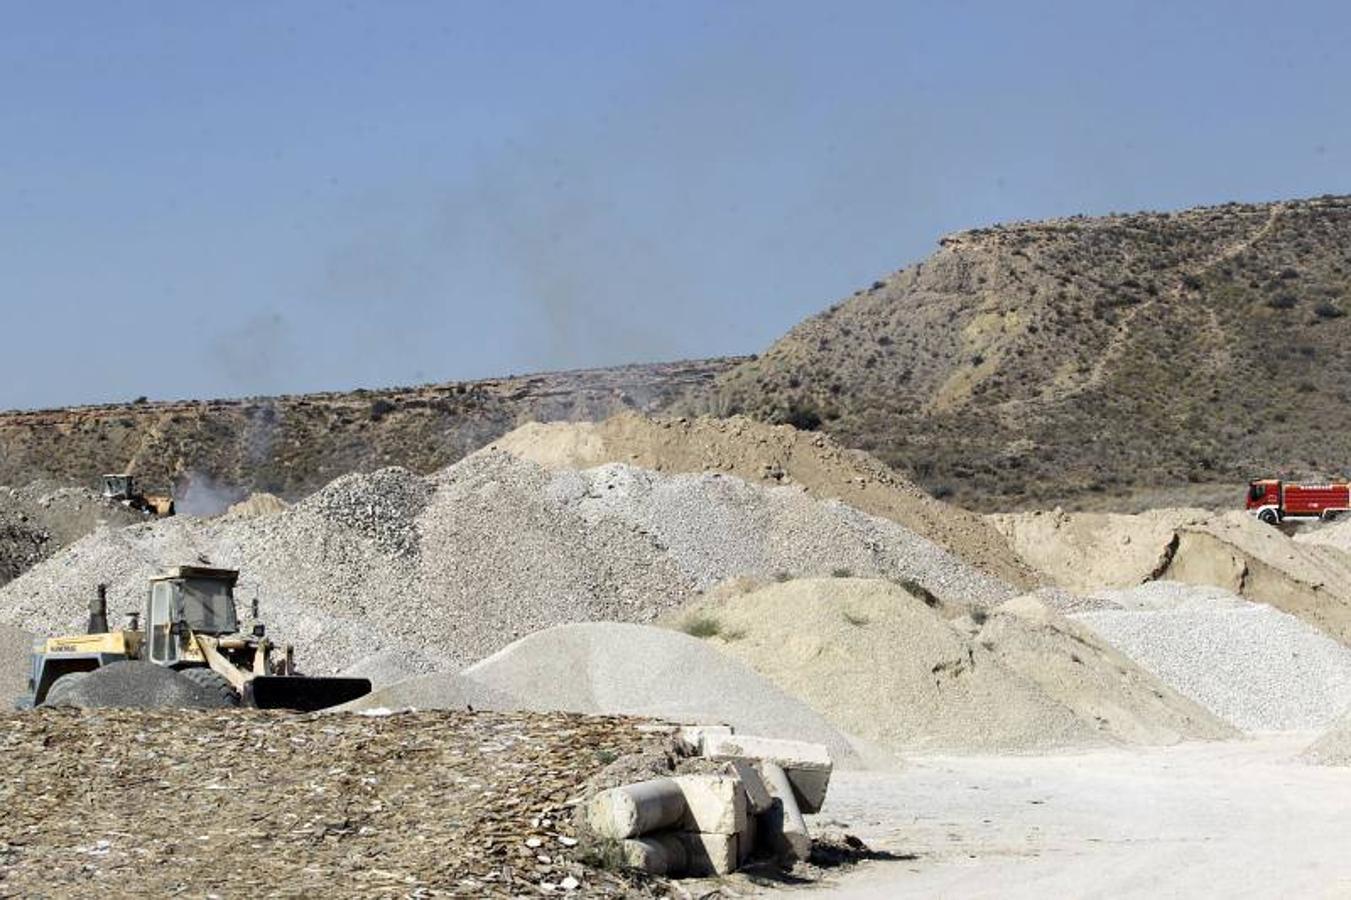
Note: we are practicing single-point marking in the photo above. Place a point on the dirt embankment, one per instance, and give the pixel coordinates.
(1086, 551)
(771, 454)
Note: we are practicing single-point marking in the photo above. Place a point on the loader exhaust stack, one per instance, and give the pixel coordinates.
(98, 612)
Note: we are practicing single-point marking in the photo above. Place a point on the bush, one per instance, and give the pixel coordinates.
(380, 407)
(1328, 310)
(701, 626)
(1283, 301)
(803, 418)
(841, 572)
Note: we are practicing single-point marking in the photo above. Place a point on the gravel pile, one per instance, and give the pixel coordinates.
(39, 519)
(1334, 747)
(718, 526)
(1253, 666)
(613, 668)
(139, 685)
(456, 566)
(381, 506)
(16, 648)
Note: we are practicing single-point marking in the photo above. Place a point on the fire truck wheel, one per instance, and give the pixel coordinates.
(1269, 516)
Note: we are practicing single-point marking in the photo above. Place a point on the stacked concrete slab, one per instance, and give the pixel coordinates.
(711, 824)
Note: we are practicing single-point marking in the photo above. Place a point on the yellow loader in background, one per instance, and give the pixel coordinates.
(191, 626)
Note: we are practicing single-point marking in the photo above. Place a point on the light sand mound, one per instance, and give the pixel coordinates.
(16, 649)
(772, 454)
(885, 666)
(439, 690)
(1076, 667)
(260, 504)
(613, 668)
(1336, 535)
(1085, 551)
(1334, 747)
(1250, 664)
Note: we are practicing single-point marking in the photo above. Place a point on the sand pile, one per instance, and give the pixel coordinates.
(1253, 666)
(770, 454)
(884, 665)
(1334, 747)
(1085, 551)
(456, 566)
(608, 667)
(260, 504)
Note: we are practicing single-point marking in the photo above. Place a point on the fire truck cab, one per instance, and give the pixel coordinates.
(1274, 501)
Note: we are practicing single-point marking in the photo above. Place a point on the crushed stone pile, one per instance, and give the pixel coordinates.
(249, 803)
(716, 527)
(41, 518)
(888, 667)
(615, 668)
(1252, 665)
(770, 454)
(139, 685)
(455, 566)
(1333, 748)
(16, 648)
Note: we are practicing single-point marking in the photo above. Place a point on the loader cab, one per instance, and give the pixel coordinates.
(118, 487)
(188, 599)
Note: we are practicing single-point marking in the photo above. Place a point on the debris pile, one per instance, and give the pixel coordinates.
(464, 804)
(39, 519)
(1334, 747)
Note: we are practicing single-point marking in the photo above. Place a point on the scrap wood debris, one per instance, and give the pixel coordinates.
(167, 802)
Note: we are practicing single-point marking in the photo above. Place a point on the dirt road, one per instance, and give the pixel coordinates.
(1234, 819)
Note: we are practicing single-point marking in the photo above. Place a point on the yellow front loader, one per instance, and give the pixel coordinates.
(191, 626)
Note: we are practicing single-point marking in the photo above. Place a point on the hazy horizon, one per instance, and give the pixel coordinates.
(258, 199)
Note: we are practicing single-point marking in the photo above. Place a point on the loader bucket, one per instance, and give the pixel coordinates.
(300, 693)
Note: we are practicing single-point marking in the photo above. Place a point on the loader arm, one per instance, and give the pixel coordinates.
(222, 666)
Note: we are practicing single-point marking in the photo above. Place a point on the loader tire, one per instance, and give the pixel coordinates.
(61, 688)
(213, 682)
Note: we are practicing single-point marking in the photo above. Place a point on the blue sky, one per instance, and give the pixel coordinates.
(203, 200)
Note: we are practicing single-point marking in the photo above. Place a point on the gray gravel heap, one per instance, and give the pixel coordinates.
(140, 684)
(1252, 665)
(457, 565)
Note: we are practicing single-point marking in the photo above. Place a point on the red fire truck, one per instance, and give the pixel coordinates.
(1273, 500)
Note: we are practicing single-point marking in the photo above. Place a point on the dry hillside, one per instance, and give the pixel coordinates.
(1085, 359)
(214, 452)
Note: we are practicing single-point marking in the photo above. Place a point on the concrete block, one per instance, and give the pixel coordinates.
(782, 830)
(715, 804)
(636, 809)
(807, 765)
(660, 854)
(757, 795)
(694, 735)
(710, 854)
